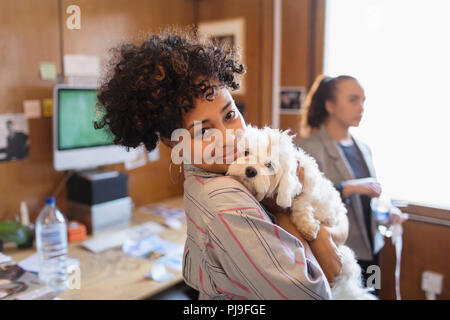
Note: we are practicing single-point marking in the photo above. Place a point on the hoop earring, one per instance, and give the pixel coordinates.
(170, 174)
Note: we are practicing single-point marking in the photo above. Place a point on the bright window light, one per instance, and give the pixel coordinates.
(399, 50)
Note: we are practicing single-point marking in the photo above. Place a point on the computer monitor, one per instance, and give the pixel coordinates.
(77, 145)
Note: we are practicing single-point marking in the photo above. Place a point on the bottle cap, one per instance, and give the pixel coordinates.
(50, 200)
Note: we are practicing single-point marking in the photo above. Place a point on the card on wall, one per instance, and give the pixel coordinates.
(47, 70)
(47, 107)
(32, 109)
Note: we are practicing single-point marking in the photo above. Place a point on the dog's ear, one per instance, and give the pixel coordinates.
(289, 185)
(288, 188)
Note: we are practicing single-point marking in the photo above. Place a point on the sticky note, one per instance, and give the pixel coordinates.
(48, 70)
(47, 107)
(32, 108)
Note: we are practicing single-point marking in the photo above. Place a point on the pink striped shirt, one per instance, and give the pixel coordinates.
(234, 249)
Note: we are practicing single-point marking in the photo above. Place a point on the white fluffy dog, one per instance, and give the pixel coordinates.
(267, 166)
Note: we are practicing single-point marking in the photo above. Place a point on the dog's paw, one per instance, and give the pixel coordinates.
(309, 231)
(284, 200)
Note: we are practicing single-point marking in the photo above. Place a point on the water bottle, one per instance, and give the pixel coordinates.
(51, 242)
(381, 208)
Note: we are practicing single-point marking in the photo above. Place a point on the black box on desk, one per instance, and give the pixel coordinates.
(93, 187)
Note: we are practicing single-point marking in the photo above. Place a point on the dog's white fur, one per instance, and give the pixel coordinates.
(275, 158)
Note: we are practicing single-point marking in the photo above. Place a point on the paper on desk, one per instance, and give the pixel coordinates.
(174, 213)
(142, 247)
(32, 263)
(159, 273)
(173, 223)
(117, 238)
(4, 258)
(174, 261)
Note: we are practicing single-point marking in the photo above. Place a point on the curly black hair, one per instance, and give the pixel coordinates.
(150, 85)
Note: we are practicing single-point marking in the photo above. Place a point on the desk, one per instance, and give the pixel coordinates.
(112, 274)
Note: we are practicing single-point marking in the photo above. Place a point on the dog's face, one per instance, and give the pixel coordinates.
(267, 165)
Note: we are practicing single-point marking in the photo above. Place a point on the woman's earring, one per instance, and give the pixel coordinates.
(170, 174)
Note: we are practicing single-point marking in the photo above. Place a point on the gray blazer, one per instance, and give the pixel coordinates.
(334, 165)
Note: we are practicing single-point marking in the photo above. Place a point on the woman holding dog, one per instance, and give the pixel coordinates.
(333, 106)
(234, 247)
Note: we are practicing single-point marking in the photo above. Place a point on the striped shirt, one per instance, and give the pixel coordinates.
(234, 249)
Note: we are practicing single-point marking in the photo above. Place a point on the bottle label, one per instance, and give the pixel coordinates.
(53, 235)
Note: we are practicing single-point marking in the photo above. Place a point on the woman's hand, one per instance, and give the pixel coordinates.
(366, 186)
(323, 248)
(397, 216)
(326, 253)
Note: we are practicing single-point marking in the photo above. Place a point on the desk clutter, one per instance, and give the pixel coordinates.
(19, 284)
(143, 241)
(147, 240)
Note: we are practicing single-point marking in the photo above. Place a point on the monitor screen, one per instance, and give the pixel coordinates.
(76, 115)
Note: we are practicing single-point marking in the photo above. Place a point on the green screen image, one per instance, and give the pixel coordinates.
(76, 115)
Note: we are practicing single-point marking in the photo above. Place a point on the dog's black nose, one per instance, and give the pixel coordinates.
(250, 172)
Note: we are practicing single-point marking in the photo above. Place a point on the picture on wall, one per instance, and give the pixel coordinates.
(231, 31)
(14, 144)
(292, 99)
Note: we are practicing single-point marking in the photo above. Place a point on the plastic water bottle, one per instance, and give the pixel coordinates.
(51, 242)
(381, 208)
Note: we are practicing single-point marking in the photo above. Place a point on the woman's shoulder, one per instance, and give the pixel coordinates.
(311, 145)
(207, 184)
(310, 139)
(220, 194)
(208, 187)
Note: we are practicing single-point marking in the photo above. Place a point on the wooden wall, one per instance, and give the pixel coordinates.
(258, 50)
(108, 22)
(33, 31)
(302, 48)
(29, 34)
(425, 248)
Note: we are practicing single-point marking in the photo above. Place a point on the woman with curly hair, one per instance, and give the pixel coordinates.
(234, 247)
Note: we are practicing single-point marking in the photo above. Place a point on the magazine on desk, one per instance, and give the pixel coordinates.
(19, 284)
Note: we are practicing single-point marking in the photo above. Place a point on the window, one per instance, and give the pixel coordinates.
(400, 52)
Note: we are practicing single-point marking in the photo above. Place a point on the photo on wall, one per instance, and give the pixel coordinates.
(230, 31)
(14, 144)
(292, 99)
